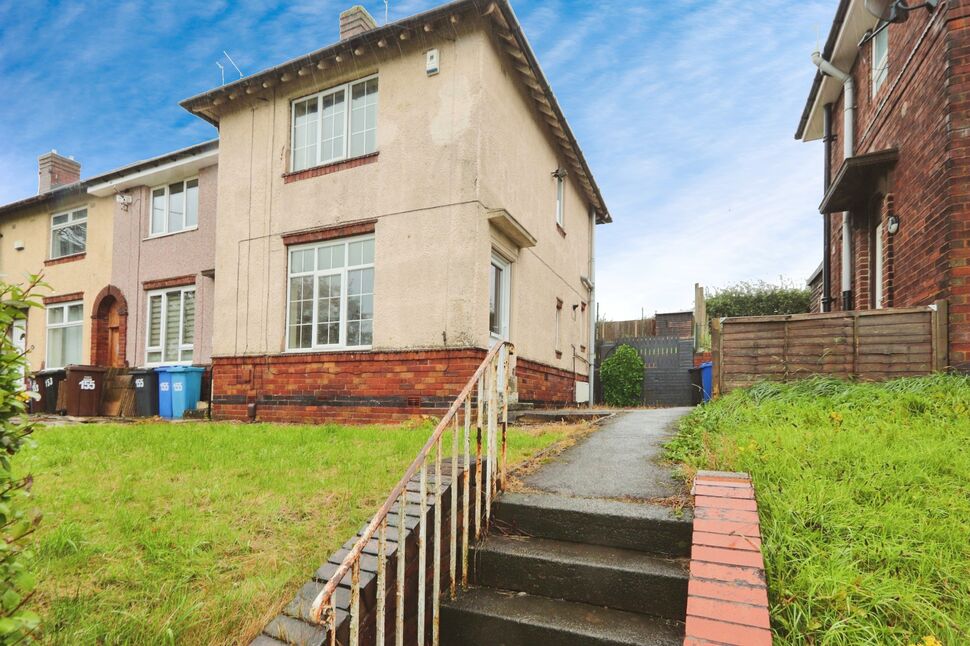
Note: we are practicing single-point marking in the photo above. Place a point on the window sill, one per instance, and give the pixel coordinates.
(561, 231)
(63, 259)
(156, 236)
(329, 348)
(333, 167)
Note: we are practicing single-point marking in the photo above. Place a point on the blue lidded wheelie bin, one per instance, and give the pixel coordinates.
(179, 388)
(707, 379)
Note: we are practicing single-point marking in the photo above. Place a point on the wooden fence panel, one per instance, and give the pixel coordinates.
(871, 345)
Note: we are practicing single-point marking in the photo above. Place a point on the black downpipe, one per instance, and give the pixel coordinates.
(827, 217)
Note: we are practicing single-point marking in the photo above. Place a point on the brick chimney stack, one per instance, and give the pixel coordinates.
(55, 170)
(355, 21)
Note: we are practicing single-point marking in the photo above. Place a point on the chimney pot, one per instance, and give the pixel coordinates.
(355, 21)
(55, 170)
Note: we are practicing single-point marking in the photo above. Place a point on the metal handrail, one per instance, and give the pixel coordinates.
(498, 366)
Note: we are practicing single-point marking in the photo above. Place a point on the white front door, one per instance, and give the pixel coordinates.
(499, 292)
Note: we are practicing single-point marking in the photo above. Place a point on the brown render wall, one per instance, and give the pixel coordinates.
(921, 111)
(365, 387)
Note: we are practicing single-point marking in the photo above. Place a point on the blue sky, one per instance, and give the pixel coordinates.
(685, 110)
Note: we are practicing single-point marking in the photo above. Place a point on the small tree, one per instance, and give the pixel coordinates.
(758, 299)
(17, 519)
(622, 376)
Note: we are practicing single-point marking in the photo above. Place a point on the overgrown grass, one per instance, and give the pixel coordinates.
(195, 533)
(864, 495)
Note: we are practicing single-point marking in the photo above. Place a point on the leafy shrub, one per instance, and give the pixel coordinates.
(17, 519)
(758, 299)
(622, 375)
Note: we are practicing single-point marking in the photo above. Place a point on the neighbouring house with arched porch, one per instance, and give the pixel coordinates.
(127, 257)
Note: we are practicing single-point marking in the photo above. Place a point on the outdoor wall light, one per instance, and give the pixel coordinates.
(892, 224)
(890, 11)
(896, 10)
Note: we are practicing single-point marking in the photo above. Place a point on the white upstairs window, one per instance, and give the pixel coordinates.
(561, 198)
(339, 123)
(175, 207)
(880, 58)
(69, 233)
(65, 325)
(171, 326)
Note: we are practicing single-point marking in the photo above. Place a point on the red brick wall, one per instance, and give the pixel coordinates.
(364, 387)
(923, 110)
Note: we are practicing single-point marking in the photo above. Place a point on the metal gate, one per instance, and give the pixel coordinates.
(666, 365)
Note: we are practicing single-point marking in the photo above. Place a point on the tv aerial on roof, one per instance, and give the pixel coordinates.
(888, 11)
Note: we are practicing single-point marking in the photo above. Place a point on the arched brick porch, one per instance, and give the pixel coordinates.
(109, 328)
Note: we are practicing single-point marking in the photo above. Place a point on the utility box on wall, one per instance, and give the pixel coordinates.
(582, 392)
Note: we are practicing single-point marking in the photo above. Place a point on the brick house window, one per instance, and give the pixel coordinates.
(880, 58)
(65, 324)
(69, 233)
(330, 295)
(171, 326)
(175, 207)
(326, 129)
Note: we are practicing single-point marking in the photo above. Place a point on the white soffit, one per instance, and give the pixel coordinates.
(161, 174)
(857, 22)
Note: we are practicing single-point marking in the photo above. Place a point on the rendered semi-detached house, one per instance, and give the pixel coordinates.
(388, 207)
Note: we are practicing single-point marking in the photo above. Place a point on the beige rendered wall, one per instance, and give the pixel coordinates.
(138, 258)
(516, 165)
(451, 146)
(88, 275)
(421, 189)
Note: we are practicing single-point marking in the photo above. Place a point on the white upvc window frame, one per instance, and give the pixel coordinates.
(62, 325)
(347, 89)
(880, 63)
(182, 347)
(168, 202)
(561, 201)
(72, 220)
(344, 292)
(505, 297)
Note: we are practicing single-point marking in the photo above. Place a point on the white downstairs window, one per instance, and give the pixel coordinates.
(331, 295)
(175, 207)
(880, 58)
(171, 326)
(65, 325)
(339, 123)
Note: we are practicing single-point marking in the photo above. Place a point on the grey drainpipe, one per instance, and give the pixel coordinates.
(826, 217)
(591, 308)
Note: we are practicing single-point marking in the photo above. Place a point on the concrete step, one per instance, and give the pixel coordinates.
(628, 525)
(497, 618)
(601, 576)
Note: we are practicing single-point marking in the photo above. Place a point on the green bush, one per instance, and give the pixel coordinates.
(622, 375)
(758, 299)
(17, 519)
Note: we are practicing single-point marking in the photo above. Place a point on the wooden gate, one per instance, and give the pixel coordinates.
(666, 365)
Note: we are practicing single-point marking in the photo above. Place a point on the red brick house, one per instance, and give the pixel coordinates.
(891, 101)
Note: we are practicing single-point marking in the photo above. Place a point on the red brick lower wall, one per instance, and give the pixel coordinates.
(364, 387)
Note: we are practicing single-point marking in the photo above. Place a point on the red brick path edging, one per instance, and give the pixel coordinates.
(727, 600)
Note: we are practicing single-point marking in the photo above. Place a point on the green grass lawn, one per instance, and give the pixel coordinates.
(864, 496)
(196, 533)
